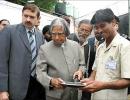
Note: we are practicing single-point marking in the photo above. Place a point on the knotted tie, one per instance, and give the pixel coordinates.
(34, 55)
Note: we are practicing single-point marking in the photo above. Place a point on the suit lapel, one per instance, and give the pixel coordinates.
(86, 51)
(24, 37)
(37, 40)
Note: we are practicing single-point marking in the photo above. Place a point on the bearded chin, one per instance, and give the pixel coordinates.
(82, 40)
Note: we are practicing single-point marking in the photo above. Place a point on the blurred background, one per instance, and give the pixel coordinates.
(75, 10)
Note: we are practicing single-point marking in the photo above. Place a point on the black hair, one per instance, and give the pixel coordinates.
(66, 18)
(45, 29)
(103, 15)
(4, 20)
(117, 19)
(33, 8)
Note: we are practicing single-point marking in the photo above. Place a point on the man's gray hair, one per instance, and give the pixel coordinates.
(60, 22)
(84, 21)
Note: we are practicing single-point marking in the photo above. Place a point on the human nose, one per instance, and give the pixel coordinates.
(28, 18)
(56, 36)
(99, 30)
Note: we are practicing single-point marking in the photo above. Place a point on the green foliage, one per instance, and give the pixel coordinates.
(44, 5)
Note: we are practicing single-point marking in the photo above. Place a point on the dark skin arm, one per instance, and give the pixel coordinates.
(93, 86)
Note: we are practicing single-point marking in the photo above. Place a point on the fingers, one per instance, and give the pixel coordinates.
(56, 82)
(78, 75)
(87, 88)
(75, 75)
(84, 80)
(60, 80)
(88, 84)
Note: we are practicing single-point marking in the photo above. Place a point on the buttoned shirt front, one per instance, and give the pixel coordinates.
(111, 64)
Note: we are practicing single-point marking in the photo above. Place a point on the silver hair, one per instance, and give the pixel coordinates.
(60, 22)
(84, 21)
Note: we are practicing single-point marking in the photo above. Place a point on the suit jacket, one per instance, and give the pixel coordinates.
(59, 62)
(89, 47)
(15, 60)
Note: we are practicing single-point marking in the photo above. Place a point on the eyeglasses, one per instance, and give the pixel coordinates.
(84, 30)
(59, 34)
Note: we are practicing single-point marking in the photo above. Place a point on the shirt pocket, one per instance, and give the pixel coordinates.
(114, 73)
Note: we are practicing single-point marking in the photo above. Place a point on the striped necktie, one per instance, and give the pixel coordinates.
(34, 55)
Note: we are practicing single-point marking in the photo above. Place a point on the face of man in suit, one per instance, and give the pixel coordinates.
(84, 31)
(29, 18)
(58, 35)
(98, 35)
(3, 24)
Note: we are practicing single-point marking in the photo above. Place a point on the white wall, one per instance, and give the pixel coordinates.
(87, 8)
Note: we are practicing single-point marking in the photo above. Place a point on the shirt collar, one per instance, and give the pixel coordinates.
(64, 44)
(86, 42)
(114, 42)
(32, 30)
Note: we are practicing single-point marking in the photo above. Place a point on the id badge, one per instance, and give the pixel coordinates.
(111, 64)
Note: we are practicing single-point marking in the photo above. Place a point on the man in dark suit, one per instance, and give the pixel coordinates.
(17, 78)
(4, 23)
(87, 47)
(83, 32)
(93, 43)
(46, 34)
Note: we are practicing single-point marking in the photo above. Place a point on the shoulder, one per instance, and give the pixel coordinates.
(123, 42)
(47, 45)
(73, 45)
(9, 29)
(124, 47)
(71, 42)
(91, 41)
(13, 27)
(17, 27)
(39, 33)
(120, 40)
